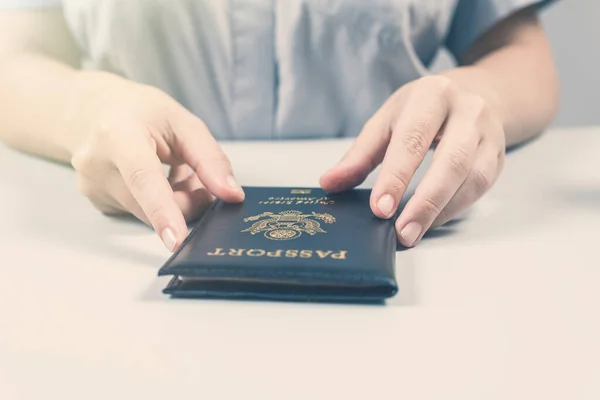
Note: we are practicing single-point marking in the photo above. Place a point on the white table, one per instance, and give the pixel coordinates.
(505, 306)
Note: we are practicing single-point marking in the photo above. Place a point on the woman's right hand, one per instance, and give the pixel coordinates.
(124, 135)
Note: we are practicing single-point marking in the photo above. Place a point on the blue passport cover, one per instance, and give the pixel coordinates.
(288, 244)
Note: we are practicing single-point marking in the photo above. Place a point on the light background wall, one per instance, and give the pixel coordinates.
(574, 30)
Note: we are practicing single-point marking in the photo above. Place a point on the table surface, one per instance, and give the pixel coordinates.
(504, 304)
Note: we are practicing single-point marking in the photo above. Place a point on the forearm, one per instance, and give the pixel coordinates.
(35, 95)
(520, 86)
(41, 101)
(512, 68)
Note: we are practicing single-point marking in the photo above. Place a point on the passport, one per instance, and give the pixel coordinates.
(295, 244)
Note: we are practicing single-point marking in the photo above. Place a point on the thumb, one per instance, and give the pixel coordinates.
(193, 144)
(365, 154)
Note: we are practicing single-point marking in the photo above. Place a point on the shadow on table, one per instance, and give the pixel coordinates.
(581, 197)
(406, 296)
(405, 277)
(58, 213)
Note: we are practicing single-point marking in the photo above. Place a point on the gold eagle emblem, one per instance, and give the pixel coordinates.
(287, 225)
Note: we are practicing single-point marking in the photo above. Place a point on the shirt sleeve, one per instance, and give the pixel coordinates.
(472, 18)
(28, 4)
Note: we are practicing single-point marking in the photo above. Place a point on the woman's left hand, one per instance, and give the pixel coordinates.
(469, 154)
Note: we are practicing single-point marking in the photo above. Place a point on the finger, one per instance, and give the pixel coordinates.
(180, 172)
(483, 174)
(116, 187)
(198, 148)
(452, 161)
(101, 200)
(192, 197)
(107, 206)
(145, 179)
(111, 197)
(189, 194)
(364, 155)
(419, 122)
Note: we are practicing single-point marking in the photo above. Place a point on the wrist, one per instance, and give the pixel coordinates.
(481, 82)
(86, 93)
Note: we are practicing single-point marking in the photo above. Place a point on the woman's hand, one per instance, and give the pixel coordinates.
(469, 154)
(125, 134)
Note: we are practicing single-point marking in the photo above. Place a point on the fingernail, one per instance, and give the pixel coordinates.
(168, 238)
(233, 184)
(386, 205)
(411, 233)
